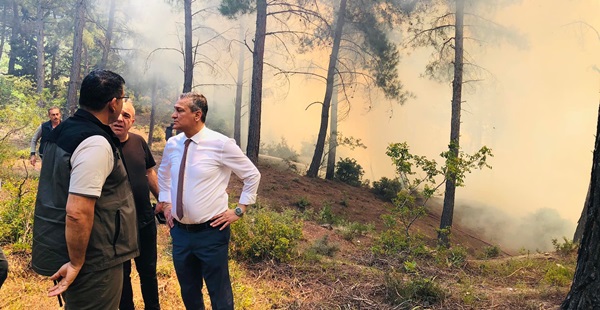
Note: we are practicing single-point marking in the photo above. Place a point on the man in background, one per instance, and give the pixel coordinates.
(142, 177)
(43, 132)
(85, 224)
(193, 177)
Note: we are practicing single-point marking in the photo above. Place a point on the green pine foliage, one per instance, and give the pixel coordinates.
(348, 171)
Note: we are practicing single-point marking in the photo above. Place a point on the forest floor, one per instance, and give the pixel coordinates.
(352, 277)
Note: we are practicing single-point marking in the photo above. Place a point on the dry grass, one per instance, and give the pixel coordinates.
(350, 279)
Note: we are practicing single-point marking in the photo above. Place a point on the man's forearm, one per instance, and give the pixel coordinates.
(152, 182)
(36, 136)
(79, 221)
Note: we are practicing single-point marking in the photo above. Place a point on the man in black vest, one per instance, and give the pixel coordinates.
(85, 223)
(43, 132)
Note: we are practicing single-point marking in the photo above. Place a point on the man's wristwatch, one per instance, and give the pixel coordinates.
(238, 211)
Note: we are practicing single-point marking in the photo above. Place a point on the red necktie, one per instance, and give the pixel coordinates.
(180, 181)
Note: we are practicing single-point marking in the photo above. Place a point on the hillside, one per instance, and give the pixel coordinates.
(350, 277)
(281, 187)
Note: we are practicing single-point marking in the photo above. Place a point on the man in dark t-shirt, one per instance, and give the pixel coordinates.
(139, 164)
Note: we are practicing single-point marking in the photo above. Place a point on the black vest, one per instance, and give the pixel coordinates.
(113, 239)
(46, 130)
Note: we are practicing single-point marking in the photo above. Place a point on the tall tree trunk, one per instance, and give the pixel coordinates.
(257, 81)
(583, 218)
(75, 74)
(188, 66)
(330, 172)
(153, 111)
(53, 69)
(585, 289)
(239, 87)
(454, 146)
(14, 37)
(108, 36)
(3, 31)
(315, 164)
(40, 68)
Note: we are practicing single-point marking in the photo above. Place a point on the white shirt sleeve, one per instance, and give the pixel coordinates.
(164, 174)
(240, 164)
(91, 162)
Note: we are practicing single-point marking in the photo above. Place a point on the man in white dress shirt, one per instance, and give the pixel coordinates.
(195, 201)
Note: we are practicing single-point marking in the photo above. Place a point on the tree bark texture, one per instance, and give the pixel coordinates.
(585, 289)
(583, 218)
(16, 26)
(40, 68)
(108, 36)
(152, 112)
(330, 172)
(3, 31)
(188, 66)
(315, 164)
(450, 193)
(253, 146)
(75, 74)
(239, 87)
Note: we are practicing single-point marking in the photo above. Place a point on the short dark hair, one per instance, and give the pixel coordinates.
(198, 102)
(100, 87)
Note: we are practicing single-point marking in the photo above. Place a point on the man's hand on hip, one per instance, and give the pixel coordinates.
(226, 218)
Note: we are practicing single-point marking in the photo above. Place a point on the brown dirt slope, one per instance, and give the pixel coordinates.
(281, 187)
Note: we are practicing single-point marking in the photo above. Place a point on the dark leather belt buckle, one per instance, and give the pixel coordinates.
(193, 227)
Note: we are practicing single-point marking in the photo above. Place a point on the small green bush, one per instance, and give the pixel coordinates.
(323, 247)
(558, 275)
(410, 266)
(264, 234)
(326, 215)
(418, 291)
(349, 231)
(302, 203)
(348, 171)
(490, 252)
(387, 189)
(390, 242)
(452, 257)
(565, 249)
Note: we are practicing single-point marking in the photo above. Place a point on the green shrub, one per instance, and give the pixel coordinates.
(349, 172)
(16, 212)
(351, 230)
(264, 234)
(387, 189)
(558, 275)
(390, 242)
(410, 266)
(418, 291)
(491, 252)
(452, 257)
(302, 203)
(565, 249)
(323, 247)
(326, 215)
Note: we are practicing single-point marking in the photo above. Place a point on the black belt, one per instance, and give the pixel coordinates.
(193, 227)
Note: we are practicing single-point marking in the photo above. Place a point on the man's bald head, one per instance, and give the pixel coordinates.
(122, 125)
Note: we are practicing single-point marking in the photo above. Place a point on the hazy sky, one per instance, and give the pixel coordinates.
(537, 110)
